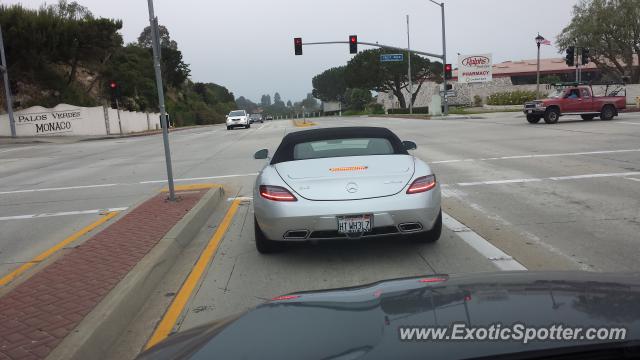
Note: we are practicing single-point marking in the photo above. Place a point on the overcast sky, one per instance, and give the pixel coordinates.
(247, 46)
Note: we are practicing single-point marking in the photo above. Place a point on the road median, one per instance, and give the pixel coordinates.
(303, 123)
(77, 306)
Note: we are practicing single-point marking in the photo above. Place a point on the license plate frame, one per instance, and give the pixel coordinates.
(354, 224)
(529, 111)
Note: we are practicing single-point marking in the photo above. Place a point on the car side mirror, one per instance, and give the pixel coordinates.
(261, 154)
(409, 145)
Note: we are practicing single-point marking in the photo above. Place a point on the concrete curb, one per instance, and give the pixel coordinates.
(94, 336)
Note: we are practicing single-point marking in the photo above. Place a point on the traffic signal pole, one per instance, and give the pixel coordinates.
(7, 89)
(163, 114)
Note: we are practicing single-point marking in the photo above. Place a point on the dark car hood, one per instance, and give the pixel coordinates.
(364, 321)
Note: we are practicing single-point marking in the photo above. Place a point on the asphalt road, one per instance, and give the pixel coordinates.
(563, 196)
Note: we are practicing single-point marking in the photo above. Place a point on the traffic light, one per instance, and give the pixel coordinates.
(448, 71)
(585, 56)
(114, 91)
(353, 44)
(297, 44)
(571, 55)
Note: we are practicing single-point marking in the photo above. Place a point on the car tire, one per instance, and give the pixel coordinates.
(587, 117)
(551, 116)
(248, 126)
(228, 127)
(432, 235)
(608, 112)
(533, 119)
(264, 245)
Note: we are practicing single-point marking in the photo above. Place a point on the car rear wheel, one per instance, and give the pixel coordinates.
(533, 119)
(264, 245)
(551, 116)
(432, 235)
(587, 117)
(608, 112)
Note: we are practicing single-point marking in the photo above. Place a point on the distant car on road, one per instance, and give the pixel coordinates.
(344, 183)
(238, 118)
(575, 100)
(269, 117)
(254, 118)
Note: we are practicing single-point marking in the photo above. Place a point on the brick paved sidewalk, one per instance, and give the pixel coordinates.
(39, 313)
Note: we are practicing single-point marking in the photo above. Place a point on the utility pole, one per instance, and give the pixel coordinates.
(163, 114)
(444, 60)
(7, 89)
(409, 69)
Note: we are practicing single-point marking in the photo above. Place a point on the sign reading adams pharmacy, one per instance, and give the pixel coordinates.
(38, 121)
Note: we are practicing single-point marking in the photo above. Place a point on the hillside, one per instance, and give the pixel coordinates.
(63, 54)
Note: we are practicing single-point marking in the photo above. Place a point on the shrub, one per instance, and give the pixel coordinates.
(477, 101)
(517, 97)
(416, 110)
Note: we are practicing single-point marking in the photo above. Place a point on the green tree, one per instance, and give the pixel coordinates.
(310, 103)
(246, 104)
(145, 39)
(365, 71)
(357, 99)
(289, 104)
(611, 30)
(330, 85)
(265, 100)
(277, 100)
(71, 10)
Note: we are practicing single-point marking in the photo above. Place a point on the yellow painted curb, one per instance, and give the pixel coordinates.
(182, 297)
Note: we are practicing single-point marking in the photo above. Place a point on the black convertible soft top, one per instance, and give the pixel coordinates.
(285, 150)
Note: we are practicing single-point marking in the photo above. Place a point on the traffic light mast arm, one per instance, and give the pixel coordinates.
(376, 45)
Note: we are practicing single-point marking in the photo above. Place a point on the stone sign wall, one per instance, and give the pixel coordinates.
(69, 120)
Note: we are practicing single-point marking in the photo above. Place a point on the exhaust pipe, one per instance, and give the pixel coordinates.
(296, 234)
(410, 227)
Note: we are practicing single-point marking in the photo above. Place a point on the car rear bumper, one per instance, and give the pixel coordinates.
(318, 219)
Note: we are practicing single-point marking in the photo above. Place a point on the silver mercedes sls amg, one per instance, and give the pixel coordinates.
(342, 183)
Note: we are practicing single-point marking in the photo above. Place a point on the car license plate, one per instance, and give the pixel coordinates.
(354, 223)
(529, 111)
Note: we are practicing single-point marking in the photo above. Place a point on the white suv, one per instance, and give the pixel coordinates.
(238, 118)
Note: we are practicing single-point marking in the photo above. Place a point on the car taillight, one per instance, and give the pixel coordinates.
(422, 184)
(276, 193)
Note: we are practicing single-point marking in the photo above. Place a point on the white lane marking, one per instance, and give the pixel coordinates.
(199, 178)
(627, 122)
(18, 148)
(124, 184)
(241, 198)
(58, 189)
(464, 197)
(498, 257)
(65, 213)
(634, 179)
(532, 156)
(554, 178)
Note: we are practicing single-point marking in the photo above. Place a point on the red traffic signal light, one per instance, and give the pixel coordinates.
(113, 85)
(353, 44)
(448, 71)
(297, 45)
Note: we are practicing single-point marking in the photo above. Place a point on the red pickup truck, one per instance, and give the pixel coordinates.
(575, 100)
